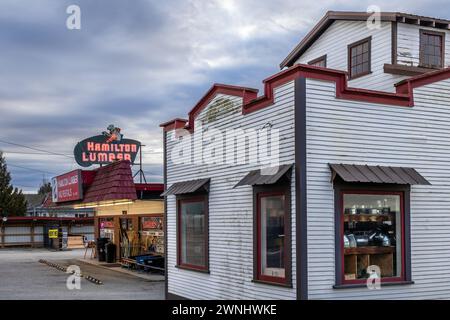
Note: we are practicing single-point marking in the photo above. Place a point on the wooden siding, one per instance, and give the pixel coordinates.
(342, 131)
(408, 39)
(231, 211)
(334, 43)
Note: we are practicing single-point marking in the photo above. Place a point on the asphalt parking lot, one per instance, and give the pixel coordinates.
(22, 276)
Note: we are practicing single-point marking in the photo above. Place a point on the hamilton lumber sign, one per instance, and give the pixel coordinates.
(106, 148)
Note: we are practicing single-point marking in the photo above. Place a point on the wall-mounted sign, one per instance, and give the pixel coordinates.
(218, 109)
(106, 224)
(67, 187)
(106, 148)
(53, 233)
(152, 223)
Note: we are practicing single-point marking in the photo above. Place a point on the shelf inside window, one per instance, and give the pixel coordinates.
(365, 217)
(369, 250)
(358, 259)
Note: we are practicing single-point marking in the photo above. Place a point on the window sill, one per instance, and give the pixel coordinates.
(359, 75)
(363, 285)
(273, 283)
(405, 70)
(431, 68)
(192, 269)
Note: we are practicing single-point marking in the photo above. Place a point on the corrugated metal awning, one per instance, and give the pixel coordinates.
(264, 176)
(377, 174)
(187, 187)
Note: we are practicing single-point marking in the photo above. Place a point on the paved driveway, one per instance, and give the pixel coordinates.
(23, 277)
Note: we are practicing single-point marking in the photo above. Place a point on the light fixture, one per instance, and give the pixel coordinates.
(103, 204)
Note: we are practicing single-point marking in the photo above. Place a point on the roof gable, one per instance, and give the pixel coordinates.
(332, 16)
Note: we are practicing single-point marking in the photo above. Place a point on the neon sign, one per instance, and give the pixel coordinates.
(106, 148)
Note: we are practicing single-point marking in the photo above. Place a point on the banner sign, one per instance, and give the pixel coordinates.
(151, 223)
(106, 148)
(67, 187)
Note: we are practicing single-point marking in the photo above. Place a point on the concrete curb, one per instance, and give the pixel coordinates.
(152, 278)
(64, 269)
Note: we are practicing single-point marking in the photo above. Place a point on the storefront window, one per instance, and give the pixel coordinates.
(106, 228)
(372, 235)
(129, 239)
(192, 241)
(152, 235)
(272, 246)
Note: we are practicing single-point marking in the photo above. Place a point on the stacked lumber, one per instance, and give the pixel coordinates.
(75, 242)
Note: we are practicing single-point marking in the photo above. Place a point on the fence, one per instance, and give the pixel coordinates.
(31, 231)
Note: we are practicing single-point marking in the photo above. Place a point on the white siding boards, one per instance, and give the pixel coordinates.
(337, 130)
(334, 43)
(344, 131)
(324, 120)
(230, 210)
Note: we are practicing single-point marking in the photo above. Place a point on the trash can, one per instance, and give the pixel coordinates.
(110, 252)
(101, 247)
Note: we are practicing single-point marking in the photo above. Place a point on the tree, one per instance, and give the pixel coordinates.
(12, 201)
(45, 188)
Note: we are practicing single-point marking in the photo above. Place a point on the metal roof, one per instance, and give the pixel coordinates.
(34, 200)
(187, 187)
(264, 176)
(111, 182)
(377, 174)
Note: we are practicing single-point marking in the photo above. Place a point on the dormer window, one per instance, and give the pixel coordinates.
(359, 58)
(319, 62)
(431, 49)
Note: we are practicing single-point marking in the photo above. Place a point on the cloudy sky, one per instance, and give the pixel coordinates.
(135, 64)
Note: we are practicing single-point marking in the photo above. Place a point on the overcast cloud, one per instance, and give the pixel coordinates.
(136, 64)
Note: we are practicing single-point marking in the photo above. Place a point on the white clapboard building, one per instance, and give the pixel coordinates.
(333, 183)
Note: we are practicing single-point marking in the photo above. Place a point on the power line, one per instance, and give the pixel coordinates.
(36, 149)
(31, 169)
(22, 186)
(25, 153)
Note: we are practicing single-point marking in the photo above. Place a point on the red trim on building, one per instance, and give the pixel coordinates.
(402, 97)
(408, 85)
(13, 219)
(247, 94)
(319, 73)
(174, 124)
